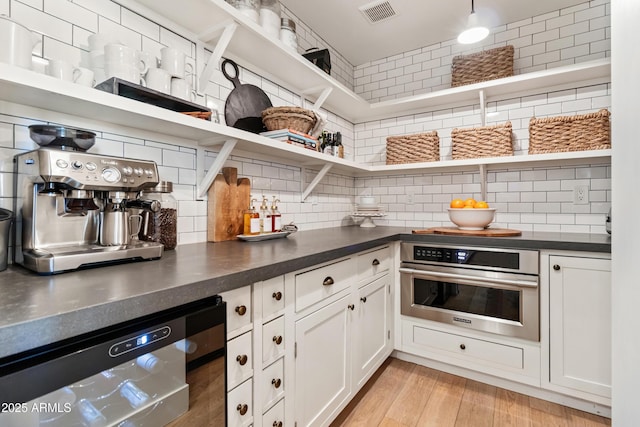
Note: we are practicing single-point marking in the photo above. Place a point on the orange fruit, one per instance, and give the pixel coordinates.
(481, 205)
(467, 207)
(456, 203)
(470, 202)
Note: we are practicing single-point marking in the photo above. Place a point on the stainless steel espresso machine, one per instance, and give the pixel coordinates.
(76, 209)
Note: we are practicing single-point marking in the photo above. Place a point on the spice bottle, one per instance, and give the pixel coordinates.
(340, 148)
(288, 34)
(249, 8)
(251, 220)
(161, 226)
(276, 217)
(270, 17)
(265, 217)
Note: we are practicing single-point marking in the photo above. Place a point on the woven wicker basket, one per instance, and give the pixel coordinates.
(482, 66)
(420, 147)
(485, 141)
(570, 133)
(295, 118)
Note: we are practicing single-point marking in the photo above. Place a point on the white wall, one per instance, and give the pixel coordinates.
(530, 199)
(626, 232)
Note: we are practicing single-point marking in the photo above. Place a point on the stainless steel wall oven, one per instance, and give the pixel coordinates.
(487, 289)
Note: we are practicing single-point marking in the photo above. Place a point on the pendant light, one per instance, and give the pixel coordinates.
(474, 32)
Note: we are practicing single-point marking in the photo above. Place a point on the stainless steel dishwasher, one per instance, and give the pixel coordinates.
(145, 372)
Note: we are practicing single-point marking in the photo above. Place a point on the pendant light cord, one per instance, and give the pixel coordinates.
(473, 10)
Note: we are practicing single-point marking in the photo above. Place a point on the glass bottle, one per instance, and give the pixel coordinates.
(270, 17)
(161, 226)
(288, 34)
(251, 224)
(276, 216)
(249, 8)
(265, 217)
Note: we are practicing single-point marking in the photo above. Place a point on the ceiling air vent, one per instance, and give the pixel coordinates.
(377, 11)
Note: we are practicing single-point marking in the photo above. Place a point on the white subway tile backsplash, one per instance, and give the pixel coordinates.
(41, 22)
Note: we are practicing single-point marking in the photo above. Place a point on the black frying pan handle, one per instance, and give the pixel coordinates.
(234, 79)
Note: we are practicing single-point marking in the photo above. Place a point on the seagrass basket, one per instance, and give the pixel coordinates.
(419, 147)
(296, 118)
(484, 141)
(482, 66)
(570, 133)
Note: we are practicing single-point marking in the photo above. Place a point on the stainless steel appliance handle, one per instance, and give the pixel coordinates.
(462, 279)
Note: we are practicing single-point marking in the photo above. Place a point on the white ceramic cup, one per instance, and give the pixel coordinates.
(174, 61)
(85, 77)
(120, 54)
(98, 41)
(123, 71)
(96, 58)
(181, 88)
(159, 79)
(61, 69)
(150, 60)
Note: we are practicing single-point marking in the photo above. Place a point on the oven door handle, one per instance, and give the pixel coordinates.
(462, 279)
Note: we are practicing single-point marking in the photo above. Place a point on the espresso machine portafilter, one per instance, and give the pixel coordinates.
(76, 209)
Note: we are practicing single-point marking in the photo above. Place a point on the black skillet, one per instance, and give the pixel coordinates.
(244, 105)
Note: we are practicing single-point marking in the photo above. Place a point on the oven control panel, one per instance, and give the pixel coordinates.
(453, 256)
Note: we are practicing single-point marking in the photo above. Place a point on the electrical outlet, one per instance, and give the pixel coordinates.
(581, 195)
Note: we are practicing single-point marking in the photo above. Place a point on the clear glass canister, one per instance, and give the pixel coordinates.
(288, 34)
(270, 17)
(250, 8)
(161, 226)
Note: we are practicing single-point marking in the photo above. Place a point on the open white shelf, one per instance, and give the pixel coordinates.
(24, 87)
(256, 50)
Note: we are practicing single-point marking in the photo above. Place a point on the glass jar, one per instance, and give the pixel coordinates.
(161, 226)
(250, 8)
(288, 34)
(270, 17)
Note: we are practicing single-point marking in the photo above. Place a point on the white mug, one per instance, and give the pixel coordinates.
(85, 77)
(150, 60)
(123, 71)
(174, 61)
(120, 54)
(98, 41)
(61, 69)
(159, 79)
(181, 88)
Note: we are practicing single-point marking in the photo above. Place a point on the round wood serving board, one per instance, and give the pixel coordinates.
(489, 232)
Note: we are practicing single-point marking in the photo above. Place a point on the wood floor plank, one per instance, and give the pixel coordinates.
(371, 409)
(413, 397)
(511, 409)
(402, 394)
(442, 408)
(477, 406)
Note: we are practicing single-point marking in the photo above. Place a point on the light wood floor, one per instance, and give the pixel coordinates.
(402, 394)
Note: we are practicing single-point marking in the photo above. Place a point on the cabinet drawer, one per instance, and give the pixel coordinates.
(372, 263)
(274, 417)
(315, 285)
(272, 296)
(273, 341)
(272, 383)
(238, 308)
(240, 405)
(239, 360)
(471, 348)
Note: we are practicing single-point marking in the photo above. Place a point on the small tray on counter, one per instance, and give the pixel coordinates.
(149, 96)
(265, 236)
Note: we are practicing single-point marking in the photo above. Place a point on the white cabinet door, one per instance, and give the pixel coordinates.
(580, 324)
(323, 362)
(371, 329)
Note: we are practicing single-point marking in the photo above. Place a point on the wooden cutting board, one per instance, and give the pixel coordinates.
(489, 232)
(228, 199)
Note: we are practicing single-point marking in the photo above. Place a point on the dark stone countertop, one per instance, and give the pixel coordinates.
(38, 310)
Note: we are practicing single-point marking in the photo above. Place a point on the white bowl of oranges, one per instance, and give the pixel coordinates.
(470, 214)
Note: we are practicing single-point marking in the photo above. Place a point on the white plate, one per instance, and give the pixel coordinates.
(266, 236)
(367, 207)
